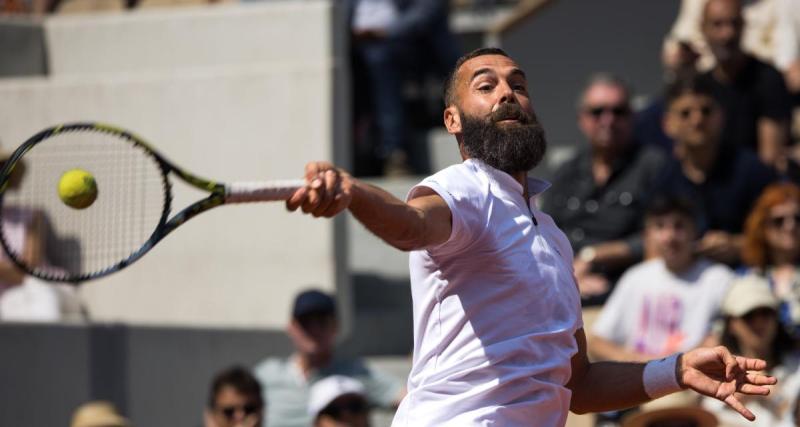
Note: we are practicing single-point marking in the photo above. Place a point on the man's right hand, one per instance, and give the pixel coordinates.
(327, 191)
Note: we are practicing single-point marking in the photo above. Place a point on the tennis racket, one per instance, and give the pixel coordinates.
(130, 214)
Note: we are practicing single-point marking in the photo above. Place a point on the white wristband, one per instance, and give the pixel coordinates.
(660, 378)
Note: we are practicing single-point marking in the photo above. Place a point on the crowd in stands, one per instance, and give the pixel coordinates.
(684, 217)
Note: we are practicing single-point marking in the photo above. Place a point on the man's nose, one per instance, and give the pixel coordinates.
(506, 94)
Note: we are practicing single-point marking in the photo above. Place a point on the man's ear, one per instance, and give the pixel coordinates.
(452, 120)
(668, 125)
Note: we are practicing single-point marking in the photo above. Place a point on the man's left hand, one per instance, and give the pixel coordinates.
(717, 373)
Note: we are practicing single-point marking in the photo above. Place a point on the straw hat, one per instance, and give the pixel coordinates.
(746, 294)
(98, 414)
(681, 406)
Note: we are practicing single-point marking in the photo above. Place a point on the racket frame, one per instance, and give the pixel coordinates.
(165, 224)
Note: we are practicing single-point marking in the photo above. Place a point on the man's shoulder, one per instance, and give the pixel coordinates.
(649, 154)
(645, 269)
(763, 70)
(458, 182)
(717, 270)
(580, 159)
(348, 366)
(272, 367)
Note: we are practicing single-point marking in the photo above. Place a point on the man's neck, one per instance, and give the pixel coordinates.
(603, 164)
(308, 364)
(697, 162)
(522, 178)
(679, 267)
(727, 72)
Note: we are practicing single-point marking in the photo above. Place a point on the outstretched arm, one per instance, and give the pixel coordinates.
(713, 372)
(422, 222)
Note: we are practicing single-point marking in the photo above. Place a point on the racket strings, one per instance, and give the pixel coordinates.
(129, 205)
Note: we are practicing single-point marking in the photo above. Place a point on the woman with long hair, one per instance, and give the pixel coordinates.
(771, 248)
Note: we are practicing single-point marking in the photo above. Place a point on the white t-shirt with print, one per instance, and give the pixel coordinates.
(656, 312)
(495, 309)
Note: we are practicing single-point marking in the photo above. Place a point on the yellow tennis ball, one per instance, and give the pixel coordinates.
(77, 188)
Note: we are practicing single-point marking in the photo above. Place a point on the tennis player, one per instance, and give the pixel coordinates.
(498, 335)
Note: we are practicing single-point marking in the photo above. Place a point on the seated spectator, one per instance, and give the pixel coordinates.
(751, 329)
(685, 416)
(98, 413)
(22, 297)
(667, 303)
(313, 329)
(338, 401)
(721, 180)
(752, 93)
(598, 196)
(771, 248)
(234, 400)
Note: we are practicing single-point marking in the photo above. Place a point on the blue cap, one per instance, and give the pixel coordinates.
(313, 301)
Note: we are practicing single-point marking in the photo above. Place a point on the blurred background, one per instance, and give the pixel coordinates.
(249, 90)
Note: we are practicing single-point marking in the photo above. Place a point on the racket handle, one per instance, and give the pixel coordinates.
(270, 191)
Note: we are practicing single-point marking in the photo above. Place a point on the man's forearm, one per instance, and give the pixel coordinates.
(609, 386)
(402, 225)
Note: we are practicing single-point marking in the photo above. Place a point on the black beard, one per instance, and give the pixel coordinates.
(511, 148)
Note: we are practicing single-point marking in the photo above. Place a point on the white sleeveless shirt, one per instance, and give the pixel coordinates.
(495, 309)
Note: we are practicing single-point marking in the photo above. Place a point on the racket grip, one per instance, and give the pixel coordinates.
(270, 191)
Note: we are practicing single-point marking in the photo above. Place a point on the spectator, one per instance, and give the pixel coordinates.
(771, 248)
(685, 416)
(721, 183)
(98, 414)
(338, 401)
(22, 297)
(599, 195)
(391, 39)
(751, 329)
(752, 93)
(234, 400)
(286, 382)
(667, 303)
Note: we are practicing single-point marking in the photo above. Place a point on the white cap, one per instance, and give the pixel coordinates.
(748, 293)
(325, 391)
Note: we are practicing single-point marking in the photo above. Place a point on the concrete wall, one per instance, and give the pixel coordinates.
(155, 376)
(235, 92)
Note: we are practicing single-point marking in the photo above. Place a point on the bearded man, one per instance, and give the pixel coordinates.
(498, 335)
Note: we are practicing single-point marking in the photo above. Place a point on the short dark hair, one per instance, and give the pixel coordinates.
(689, 83)
(665, 204)
(449, 84)
(607, 79)
(240, 379)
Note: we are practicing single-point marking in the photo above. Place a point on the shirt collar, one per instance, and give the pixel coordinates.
(505, 181)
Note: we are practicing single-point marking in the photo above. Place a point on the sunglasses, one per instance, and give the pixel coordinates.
(230, 411)
(686, 113)
(781, 221)
(616, 111)
(336, 409)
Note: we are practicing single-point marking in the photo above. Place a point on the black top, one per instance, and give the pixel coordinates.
(723, 201)
(759, 91)
(590, 214)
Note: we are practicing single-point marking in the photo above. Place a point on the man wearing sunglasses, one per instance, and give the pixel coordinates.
(599, 195)
(720, 179)
(235, 400)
